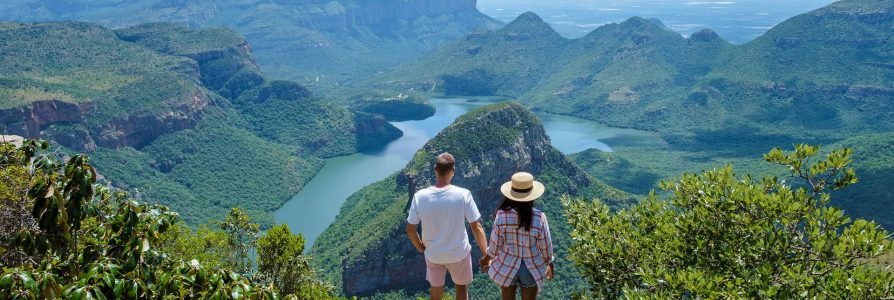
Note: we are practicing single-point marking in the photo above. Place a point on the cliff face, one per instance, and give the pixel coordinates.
(29, 120)
(34, 120)
(140, 130)
(490, 145)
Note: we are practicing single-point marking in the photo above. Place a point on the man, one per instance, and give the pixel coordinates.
(442, 210)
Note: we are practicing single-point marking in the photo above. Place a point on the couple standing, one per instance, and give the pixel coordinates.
(520, 251)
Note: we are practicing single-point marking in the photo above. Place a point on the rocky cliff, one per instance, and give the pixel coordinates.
(366, 246)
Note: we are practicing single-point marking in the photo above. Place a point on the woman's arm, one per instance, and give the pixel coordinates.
(545, 243)
(545, 240)
(496, 241)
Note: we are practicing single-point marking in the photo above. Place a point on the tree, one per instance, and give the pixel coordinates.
(242, 235)
(15, 217)
(723, 236)
(94, 242)
(281, 262)
(209, 245)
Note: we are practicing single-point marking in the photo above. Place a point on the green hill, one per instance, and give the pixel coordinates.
(184, 117)
(365, 250)
(523, 47)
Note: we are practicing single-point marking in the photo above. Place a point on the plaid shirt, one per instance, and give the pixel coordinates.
(509, 245)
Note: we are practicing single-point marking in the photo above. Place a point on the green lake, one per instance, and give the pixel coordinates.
(318, 203)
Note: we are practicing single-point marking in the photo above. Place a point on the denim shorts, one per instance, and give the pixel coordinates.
(523, 277)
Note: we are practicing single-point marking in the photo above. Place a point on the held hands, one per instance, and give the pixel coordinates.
(484, 263)
(549, 272)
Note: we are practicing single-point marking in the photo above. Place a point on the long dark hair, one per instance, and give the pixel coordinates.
(525, 211)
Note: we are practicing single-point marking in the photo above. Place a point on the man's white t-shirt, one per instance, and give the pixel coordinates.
(443, 213)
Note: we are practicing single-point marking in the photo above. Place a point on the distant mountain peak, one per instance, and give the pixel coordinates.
(643, 23)
(528, 22)
(634, 26)
(705, 35)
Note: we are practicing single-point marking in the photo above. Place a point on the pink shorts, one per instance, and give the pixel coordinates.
(460, 272)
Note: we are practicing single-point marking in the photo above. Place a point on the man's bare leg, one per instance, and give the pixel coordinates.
(462, 292)
(437, 292)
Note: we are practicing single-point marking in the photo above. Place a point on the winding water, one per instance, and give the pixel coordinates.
(317, 204)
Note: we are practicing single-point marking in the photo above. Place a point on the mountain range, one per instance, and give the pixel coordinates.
(823, 72)
(320, 43)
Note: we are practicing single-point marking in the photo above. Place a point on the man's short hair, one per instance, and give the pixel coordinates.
(444, 164)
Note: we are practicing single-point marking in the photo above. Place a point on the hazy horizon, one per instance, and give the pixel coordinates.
(735, 21)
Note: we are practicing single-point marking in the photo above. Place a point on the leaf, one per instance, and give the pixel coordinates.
(27, 280)
(119, 289)
(6, 281)
(236, 293)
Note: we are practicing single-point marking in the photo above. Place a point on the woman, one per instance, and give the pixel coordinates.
(520, 251)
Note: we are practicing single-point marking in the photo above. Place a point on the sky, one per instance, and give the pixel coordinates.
(738, 21)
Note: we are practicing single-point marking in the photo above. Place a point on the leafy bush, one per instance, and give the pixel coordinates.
(723, 236)
(90, 241)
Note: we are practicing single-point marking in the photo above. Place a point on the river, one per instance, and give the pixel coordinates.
(318, 203)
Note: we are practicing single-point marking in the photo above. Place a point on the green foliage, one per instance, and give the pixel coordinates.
(81, 62)
(195, 171)
(282, 263)
(94, 242)
(180, 40)
(394, 106)
(242, 236)
(206, 244)
(723, 236)
(286, 112)
(638, 170)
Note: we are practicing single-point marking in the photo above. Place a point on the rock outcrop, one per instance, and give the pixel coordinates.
(29, 120)
(34, 120)
(490, 144)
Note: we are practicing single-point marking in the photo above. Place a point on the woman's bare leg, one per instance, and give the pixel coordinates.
(529, 293)
(508, 292)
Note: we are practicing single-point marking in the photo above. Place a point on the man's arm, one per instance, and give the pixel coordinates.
(414, 237)
(480, 237)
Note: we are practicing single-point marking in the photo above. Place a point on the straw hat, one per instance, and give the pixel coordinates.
(523, 188)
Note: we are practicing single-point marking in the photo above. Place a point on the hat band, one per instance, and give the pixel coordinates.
(523, 191)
